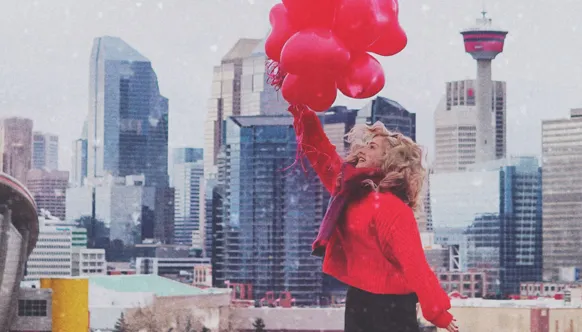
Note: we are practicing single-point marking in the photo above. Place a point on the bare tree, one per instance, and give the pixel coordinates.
(155, 318)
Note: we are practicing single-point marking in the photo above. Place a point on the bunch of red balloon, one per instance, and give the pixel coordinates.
(323, 45)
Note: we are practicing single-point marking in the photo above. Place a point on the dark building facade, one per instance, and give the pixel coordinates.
(521, 226)
(271, 211)
(393, 115)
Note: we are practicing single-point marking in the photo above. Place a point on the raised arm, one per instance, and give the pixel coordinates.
(399, 238)
(315, 145)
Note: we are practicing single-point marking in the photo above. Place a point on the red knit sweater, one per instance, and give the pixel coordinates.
(377, 249)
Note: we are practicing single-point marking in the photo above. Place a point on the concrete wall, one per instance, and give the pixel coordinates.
(474, 319)
(34, 323)
(295, 319)
(566, 320)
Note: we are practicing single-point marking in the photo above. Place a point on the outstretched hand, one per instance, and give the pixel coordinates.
(453, 326)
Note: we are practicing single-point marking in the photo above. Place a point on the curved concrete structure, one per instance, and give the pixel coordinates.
(18, 235)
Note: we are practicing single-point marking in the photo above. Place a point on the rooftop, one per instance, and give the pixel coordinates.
(484, 23)
(114, 48)
(243, 48)
(149, 283)
(263, 120)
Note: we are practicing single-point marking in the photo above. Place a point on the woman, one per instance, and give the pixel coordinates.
(369, 237)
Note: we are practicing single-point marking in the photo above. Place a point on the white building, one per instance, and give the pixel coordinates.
(52, 256)
(456, 122)
(88, 262)
(562, 193)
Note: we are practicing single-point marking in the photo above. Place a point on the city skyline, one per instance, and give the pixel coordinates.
(538, 88)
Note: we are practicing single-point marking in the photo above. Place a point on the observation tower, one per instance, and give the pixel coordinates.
(484, 42)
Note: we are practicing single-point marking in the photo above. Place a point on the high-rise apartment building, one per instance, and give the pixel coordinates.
(562, 193)
(239, 87)
(16, 147)
(127, 127)
(492, 212)
(45, 151)
(188, 184)
(270, 213)
(456, 122)
(49, 189)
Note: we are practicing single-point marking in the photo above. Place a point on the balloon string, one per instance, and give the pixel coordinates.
(297, 112)
(275, 75)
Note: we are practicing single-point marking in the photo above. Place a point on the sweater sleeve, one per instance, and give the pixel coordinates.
(315, 145)
(399, 239)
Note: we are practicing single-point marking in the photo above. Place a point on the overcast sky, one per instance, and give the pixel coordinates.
(45, 47)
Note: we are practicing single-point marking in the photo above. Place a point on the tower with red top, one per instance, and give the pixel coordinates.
(484, 43)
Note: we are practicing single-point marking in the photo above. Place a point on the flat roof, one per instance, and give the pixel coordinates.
(149, 283)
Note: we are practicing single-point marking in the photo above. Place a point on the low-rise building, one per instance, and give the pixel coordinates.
(87, 262)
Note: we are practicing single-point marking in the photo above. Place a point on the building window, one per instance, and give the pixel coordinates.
(32, 308)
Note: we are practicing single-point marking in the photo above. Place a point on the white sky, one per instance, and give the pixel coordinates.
(45, 47)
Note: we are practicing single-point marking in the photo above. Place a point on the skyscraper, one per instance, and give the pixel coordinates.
(128, 118)
(239, 87)
(270, 213)
(49, 190)
(188, 183)
(16, 147)
(562, 193)
(45, 151)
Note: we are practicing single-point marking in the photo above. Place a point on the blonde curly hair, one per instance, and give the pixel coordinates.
(402, 164)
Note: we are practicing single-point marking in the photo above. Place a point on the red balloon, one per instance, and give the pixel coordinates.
(391, 42)
(363, 79)
(392, 39)
(314, 50)
(315, 91)
(359, 22)
(281, 32)
(311, 13)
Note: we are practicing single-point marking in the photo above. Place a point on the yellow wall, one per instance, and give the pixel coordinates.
(70, 304)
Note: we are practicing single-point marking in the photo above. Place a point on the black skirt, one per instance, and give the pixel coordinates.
(367, 312)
